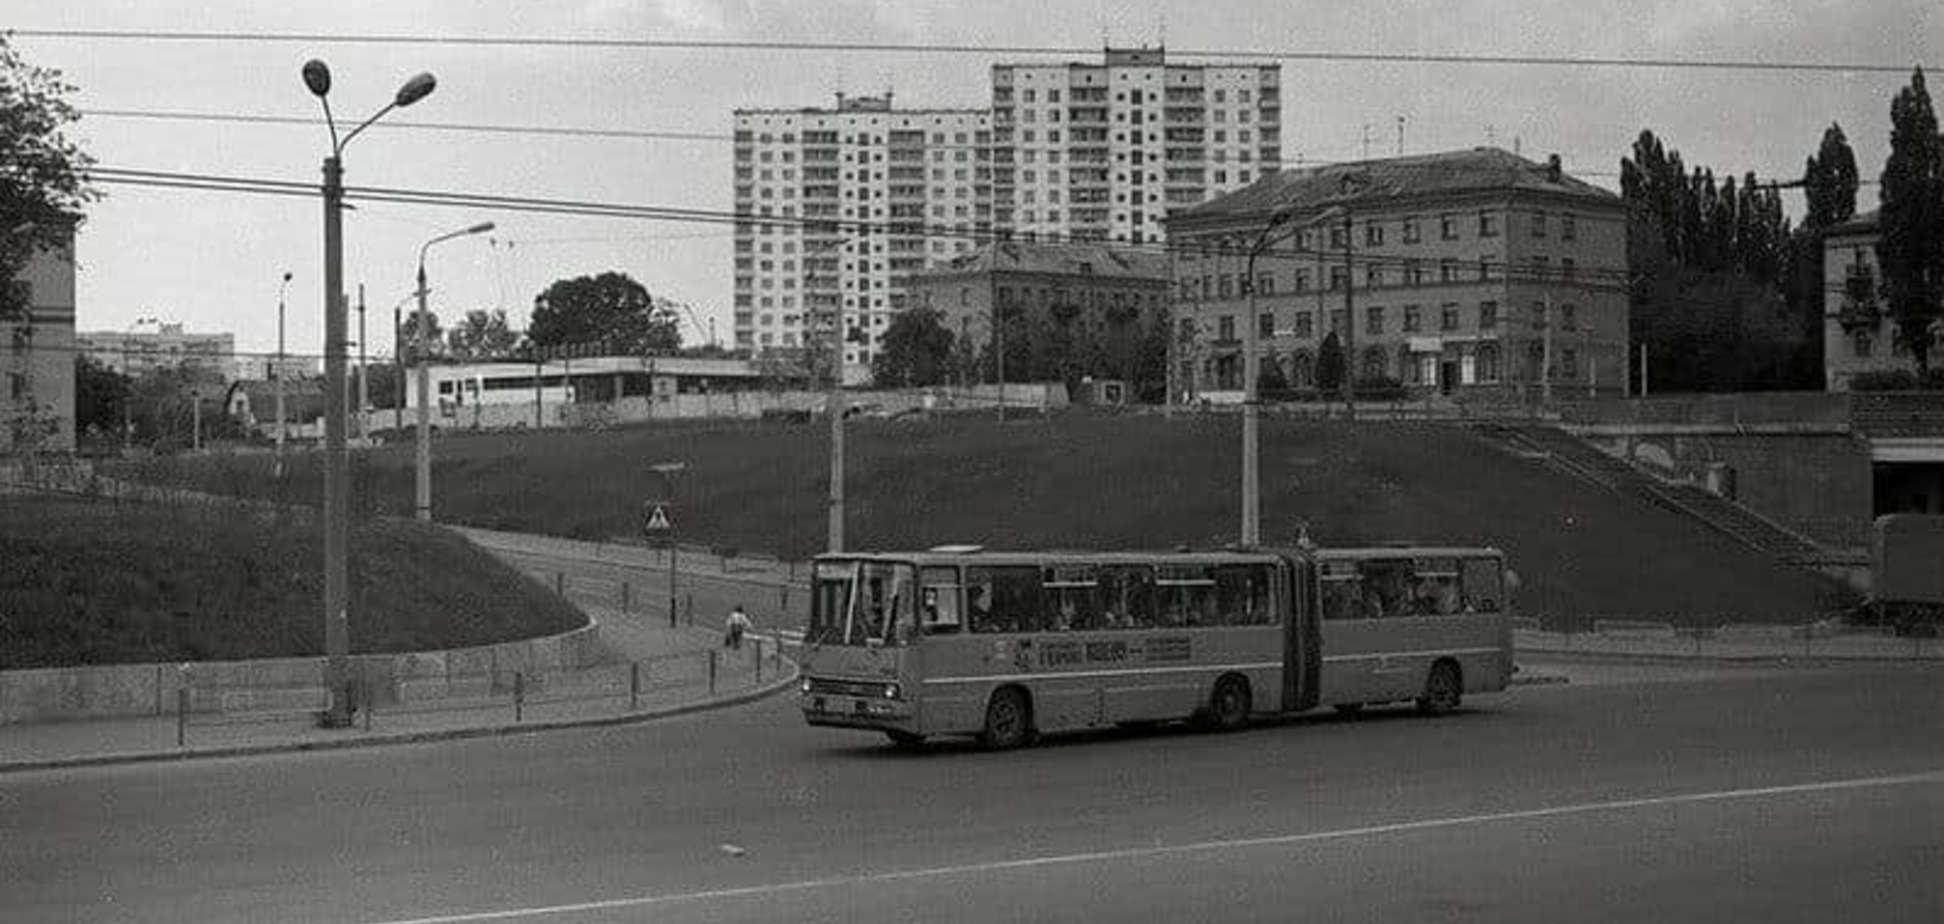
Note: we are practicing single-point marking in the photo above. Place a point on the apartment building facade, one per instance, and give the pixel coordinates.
(1859, 335)
(1473, 271)
(1105, 151)
(37, 356)
(163, 346)
(837, 207)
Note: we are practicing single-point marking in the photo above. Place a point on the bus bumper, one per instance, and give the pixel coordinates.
(859, 712)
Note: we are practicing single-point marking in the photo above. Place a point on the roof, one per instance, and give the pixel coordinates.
(1447, 173)
(1062, 259)
(1865, 223)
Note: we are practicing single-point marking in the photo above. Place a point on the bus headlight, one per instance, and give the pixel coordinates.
(804, 685)
(891, 691)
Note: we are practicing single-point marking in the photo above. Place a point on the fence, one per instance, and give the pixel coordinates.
(1819, 639)
(487, 699)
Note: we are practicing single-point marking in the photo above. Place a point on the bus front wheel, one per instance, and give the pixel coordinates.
(1009, 720)
(1443, 690)
(1229, 707)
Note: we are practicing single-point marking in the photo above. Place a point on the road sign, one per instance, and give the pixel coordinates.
(655, 519)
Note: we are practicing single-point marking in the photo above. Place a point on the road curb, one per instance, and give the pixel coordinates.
(1580, 654)
(788, 680)
(1539, 680)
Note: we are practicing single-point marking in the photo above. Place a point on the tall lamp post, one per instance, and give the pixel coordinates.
(423, 493)
(1251, 481)
(278, 373)
(834, 537)
(337, 642)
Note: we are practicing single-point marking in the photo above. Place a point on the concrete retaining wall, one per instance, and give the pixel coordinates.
(151, 689)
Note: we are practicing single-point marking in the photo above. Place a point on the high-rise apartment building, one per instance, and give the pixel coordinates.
(1105, 151)
(858, 198)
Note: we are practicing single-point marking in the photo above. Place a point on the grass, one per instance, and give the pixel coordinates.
(92, 582)
(1080, 481)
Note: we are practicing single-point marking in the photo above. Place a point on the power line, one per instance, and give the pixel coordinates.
(470, 127)
(653, 44)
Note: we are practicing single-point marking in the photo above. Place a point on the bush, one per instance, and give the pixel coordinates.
(1379, 388)
(1898, 380)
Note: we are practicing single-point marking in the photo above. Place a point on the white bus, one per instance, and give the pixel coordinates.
(1006, 645)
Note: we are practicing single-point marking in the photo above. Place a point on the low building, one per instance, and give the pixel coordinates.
(1859, 335)
(1100, 290)
(37, 356)
(585, 380)
(136, 351)
(1472, 271)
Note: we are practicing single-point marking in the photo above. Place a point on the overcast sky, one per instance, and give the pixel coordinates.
(212, 261)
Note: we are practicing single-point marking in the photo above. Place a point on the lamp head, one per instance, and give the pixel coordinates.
(286, 277)
(415, 89)
(317, 76)
(480, 228)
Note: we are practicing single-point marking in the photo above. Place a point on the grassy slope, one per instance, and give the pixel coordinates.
(88, 582)
(1091, 482)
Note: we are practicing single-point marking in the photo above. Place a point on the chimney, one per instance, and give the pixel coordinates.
(1552, 167)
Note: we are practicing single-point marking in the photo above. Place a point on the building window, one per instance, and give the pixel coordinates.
(1488, 362)
(1448, 227)
(1373, 320)
(1373, 234)
(1568, 227)
(1448, 317)
(1568, 318)
(1411, 319)
(1487, 315)
(1266, 284)
(1488, 224)
(1227, 286)
(1860, 345)
(1305, 325)
(1569, 362)
(1339, 277)
(1226, 326)
(1373, 276)
(1448, 270)
(1302, 280)
(1410, 231)
(1538, 224)
(1266, 325)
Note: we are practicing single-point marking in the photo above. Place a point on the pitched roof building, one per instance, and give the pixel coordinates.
(1859, 335)
(1464, 271)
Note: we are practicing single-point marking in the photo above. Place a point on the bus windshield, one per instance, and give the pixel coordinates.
(861, 603)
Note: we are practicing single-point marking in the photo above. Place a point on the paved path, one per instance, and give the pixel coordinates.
(1706, 799)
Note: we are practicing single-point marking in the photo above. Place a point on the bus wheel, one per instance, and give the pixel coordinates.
(1009, 720)
(1442, 690)
(905, 740)
(1229, 707)
(1348, 708)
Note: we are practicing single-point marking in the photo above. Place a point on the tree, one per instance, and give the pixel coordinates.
(100, 394)
(610, 309)
(43, 174)
(1830, 181)
(916, 351)
(422, 333)
(481, 335)
(1911, 248)
(1329, 363)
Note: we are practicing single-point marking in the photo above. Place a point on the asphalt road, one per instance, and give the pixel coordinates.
(1812, 795)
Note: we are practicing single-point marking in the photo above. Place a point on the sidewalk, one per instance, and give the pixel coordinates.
(1729, 643)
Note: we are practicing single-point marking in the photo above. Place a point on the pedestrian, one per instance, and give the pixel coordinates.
(737, 625)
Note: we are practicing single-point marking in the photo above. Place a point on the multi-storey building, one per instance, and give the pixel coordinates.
(1859, 335)
(1109, 295)
(858, 197)
(1466, 270)
(137, 351)
(1105, 151)
(37, 355)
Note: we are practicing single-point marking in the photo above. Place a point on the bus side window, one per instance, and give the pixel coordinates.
(1342, 597)
(1004, 599)
(1242, 595)
(939, 602)
(1127, 597)
(1484, 586)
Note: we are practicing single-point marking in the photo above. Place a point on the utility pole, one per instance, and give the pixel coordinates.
(1351, 360)
(422, 477)
(278, 375)
(999, 359)
(1545, 352)
(364, 369)
(834, 537)
(398, 370)
(1643, 369)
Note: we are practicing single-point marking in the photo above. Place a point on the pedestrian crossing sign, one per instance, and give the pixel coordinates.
(656, 520)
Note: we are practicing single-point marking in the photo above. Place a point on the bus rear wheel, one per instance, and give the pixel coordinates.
(1009, 720)
(1444, 689)
(1229, 707)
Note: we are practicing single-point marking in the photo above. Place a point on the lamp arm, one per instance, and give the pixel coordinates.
(364, 125)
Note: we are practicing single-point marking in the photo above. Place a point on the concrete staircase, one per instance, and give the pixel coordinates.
(1573, 456)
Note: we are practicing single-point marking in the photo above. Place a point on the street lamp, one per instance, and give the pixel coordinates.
(1251, 486)
(278, 373)
(668, 471)
(128, 376)
(317, 77)
(423, 492)
(834, 536)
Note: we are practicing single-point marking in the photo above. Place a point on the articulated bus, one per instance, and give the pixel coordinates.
(958, 640)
